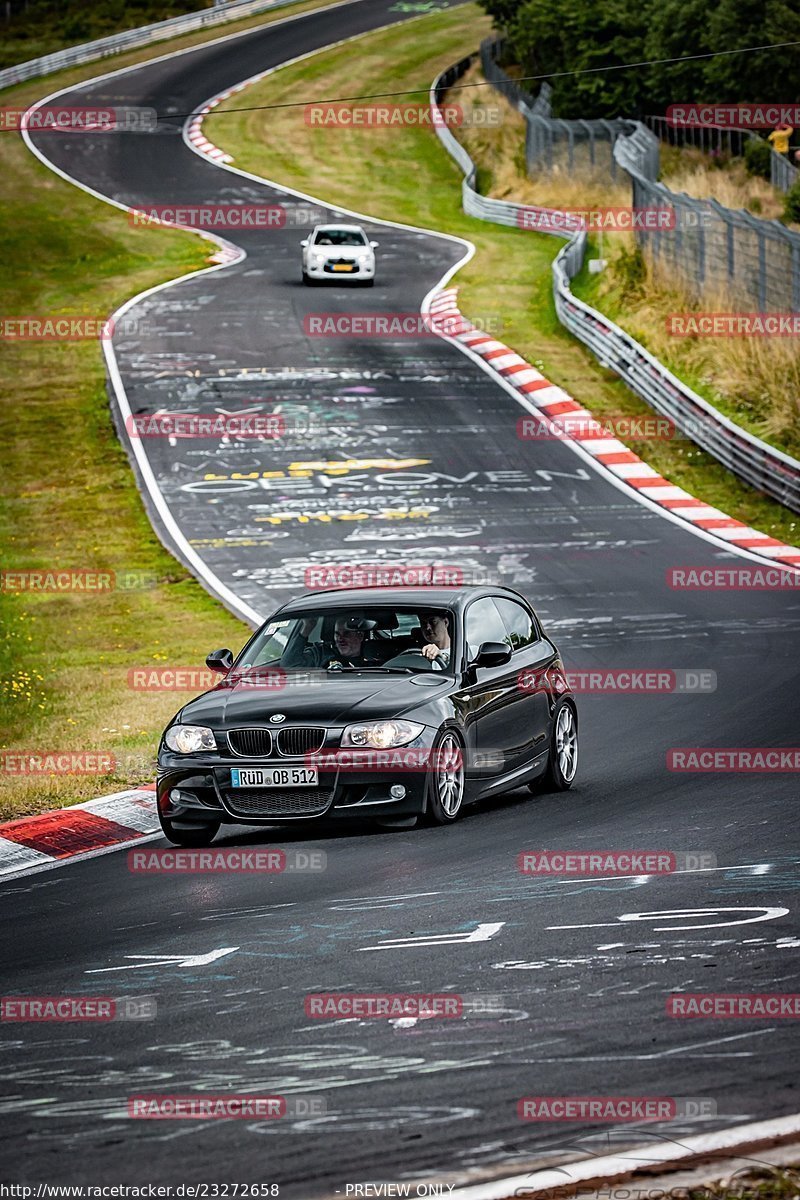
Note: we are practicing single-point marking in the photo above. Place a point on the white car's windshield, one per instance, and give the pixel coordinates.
(339, 237)
(374, 638)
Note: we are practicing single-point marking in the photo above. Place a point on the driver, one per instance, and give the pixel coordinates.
(436, 632)
(348, 643)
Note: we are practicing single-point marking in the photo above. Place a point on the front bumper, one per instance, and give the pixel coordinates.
(325, 271)
(200, 789)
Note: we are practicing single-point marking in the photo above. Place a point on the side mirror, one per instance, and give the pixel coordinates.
(492, 654)
(304, 242)
(220, 661)
(374, 244)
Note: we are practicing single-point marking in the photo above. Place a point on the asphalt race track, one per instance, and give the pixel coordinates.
(439, 475)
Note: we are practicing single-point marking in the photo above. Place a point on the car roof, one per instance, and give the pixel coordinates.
(336, 225)
(435, 596)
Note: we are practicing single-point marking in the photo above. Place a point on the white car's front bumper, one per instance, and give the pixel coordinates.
(325, 270)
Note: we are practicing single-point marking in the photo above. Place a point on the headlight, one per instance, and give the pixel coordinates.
(188, 739)
(364, 258)
(316, 259)
(382, 734)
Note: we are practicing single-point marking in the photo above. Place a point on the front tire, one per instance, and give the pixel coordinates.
(445, 784)
(200, 835)
(562, 760)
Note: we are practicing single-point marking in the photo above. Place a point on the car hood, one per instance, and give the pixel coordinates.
(335, 700)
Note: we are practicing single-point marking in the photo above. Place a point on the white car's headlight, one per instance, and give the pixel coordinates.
(316, 259)
(364, 258)
(381, 734)
(188, 739)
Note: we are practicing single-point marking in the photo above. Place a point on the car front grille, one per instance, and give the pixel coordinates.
(300, 741)
(250, 743)
(288, 802)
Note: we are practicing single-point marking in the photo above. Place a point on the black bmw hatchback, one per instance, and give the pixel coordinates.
(383, 703)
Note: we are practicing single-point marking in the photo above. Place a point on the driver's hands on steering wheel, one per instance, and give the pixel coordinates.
(430, 651)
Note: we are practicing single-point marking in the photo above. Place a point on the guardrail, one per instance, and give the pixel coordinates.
(782, 174)
(755, 462)
(132, 39)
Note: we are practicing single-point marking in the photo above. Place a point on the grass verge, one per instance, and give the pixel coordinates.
(405, 175)
(67, 495)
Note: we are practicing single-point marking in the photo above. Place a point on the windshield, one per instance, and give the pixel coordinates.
(383, 638)
(339, 237)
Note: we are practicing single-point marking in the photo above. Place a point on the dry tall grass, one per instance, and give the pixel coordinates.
(754, 380)
(688, 170)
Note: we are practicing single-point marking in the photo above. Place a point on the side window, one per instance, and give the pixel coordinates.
(483, 624)
(521, 630)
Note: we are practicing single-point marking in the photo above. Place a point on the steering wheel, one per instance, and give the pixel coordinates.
(417, 659)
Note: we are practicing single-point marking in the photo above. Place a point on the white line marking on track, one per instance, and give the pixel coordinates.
(167, 960)
(481, 934)
(766, 914)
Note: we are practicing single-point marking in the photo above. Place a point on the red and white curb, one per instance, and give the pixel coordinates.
(194, 130)
(555, 404)
(580, 1176)
(82, 831)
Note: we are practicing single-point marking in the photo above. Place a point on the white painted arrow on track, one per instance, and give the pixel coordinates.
(168, 960)
(687, 914)
(481, 934)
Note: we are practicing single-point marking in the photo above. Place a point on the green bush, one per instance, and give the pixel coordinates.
(791, 203)
(757, 155)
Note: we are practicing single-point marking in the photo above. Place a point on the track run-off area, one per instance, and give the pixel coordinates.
(395, 452)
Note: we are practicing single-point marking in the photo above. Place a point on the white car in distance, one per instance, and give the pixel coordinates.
(337, 252)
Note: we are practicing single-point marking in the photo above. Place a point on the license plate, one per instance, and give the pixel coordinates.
(343, 267)
(274, 777)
